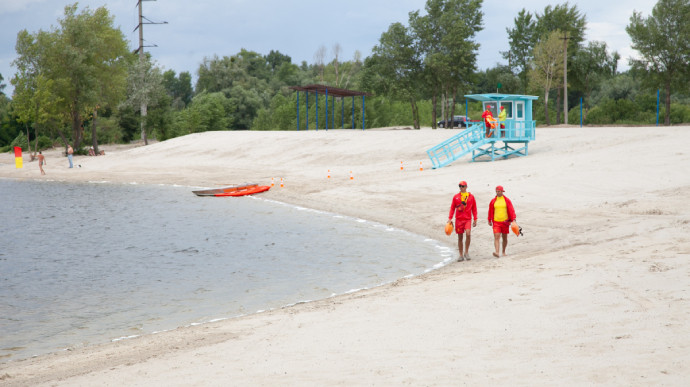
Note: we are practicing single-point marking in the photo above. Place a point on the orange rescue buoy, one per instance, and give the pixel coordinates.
(517, 230)
(449, 228)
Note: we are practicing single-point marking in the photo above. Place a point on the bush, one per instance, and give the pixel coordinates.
(19, 141)
(608, 112)
(679, 114)
(44, 142)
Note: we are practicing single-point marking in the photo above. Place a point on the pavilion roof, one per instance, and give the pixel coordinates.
(334, 91)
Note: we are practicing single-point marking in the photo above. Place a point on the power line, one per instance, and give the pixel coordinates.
(140, 26)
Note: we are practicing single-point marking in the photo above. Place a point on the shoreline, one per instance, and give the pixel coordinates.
(597, 284)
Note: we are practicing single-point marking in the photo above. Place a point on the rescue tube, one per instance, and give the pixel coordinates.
(449, 228)
(517, 230)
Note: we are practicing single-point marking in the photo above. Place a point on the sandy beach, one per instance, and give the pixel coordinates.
(596, 292)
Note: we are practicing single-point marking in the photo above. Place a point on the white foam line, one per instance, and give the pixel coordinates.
(124, 338)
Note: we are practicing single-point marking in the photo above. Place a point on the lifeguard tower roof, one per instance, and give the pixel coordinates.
(499, 97)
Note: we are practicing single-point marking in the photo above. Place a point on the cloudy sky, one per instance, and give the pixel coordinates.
(203, 28)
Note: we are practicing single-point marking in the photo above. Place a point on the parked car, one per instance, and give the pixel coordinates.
(458, 122)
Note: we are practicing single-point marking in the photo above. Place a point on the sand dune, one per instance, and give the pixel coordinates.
(596, 292)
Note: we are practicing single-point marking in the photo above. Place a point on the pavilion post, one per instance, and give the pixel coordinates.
(363, 112)
(298, 110)
(333, 111)
(326, 109)
(353, 112)
(317, 110)
(342, 114)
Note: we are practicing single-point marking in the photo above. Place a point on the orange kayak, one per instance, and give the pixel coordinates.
(214, 191)
(245, 191)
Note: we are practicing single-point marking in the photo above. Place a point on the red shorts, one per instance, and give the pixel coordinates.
(502, 227)
(462, 225)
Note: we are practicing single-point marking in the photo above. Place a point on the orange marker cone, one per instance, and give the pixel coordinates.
(272, 182)
(420, 166)
(401, 166)
(329, 173)
(351, 177)
(281, 183)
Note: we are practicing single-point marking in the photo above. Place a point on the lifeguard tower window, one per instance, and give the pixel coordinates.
(508, 106)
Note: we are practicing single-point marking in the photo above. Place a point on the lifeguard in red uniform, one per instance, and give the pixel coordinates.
(489, 121)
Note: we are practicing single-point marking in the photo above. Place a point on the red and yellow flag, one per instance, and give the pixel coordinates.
(18, 160)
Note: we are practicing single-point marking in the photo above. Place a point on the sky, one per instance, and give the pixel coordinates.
(203, 28)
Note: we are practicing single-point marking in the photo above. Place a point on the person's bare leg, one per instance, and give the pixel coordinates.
(462, 257)
(497, 241)
(505, 243)
(468, 239)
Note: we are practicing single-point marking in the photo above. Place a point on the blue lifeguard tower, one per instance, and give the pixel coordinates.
(513, 139)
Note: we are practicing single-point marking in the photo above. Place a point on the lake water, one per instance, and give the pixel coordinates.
(90, 263)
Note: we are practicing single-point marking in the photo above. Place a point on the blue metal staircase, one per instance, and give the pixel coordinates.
(514, 139)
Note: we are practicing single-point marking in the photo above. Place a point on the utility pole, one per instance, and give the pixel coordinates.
(565, 76)
(142, 59)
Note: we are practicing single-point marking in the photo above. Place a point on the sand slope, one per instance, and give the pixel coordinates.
(595, 293)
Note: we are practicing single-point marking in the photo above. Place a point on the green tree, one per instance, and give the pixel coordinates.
(244, 104)
(35, 104)
(592, 64)
(275, 60)
(394, 68)
(84, 59)
(547, 66)
(488, 80)
(9, 128)
(245, 68)
(663, 41)
(145, 88)
(178, 88)
(571, 23)
(445, 38)
(522, 39)
(208, 111)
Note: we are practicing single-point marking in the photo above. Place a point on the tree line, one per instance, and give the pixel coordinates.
(78, 83)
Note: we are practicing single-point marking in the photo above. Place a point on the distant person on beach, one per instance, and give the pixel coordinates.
(501, 215)
(70, 151)
(464, 206)
(41, 161)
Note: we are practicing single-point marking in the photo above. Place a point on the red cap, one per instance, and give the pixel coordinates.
(503, 107)
(463, 183)
(499, 188)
